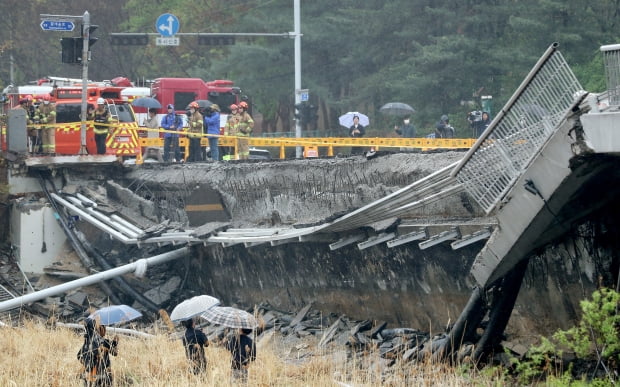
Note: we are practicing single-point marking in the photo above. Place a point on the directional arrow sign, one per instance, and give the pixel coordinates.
(57, 25)
(167, 25)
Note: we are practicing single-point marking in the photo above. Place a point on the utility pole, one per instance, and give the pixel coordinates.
(51, 22)
(297, 33)
(86, 40)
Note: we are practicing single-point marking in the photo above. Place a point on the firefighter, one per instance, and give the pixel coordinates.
(34, 140)
(195, 131)
(244, 129)
(101, 115)
(230, 129)
(46, 115)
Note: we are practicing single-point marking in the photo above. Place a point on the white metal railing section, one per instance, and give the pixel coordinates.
(516, 135)
(5, 295)
(611, 59)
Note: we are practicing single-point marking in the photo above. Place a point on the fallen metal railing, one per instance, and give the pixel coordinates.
(516, 135)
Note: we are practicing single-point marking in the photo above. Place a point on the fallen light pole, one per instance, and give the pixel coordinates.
(139, 267)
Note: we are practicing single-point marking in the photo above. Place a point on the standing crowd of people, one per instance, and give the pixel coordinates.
(203, 122)
(94, 354)
(40, 120)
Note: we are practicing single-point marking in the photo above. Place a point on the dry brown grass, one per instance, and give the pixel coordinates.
(35, 355)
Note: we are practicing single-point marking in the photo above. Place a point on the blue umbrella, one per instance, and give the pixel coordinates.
(115, 314)
(146, 102)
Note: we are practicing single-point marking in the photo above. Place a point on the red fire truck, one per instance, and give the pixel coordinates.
(181, 91)
(123, 136)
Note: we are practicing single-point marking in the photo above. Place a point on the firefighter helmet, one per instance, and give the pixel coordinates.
(243, 104)
(100, 101)
(46, 97)
(29, 98)
(233, 107)
(194, 105)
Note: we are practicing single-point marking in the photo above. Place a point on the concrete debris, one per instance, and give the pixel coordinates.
(78, 299)
(161, 294)
(208, 229)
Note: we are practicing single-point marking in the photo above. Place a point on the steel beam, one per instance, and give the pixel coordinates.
(479, 235)
(376, 240)
(440, 238)
(346, 241)
(410, 237)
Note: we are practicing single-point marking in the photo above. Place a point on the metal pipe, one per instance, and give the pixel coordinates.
(104, 218)
(109, 330)
(87, 200)
(75, 243)
(126, 223)
(93, 221)
(92, 279)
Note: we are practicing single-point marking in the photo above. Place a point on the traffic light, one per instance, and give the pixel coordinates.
(91, 40)
(311, 114)
(299, 111)
(216, 40)
(306, 113)
(69, 50)
(72, 47)
(129, 39)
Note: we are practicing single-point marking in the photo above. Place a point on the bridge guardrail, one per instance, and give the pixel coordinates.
(512, 140)
(611, 59)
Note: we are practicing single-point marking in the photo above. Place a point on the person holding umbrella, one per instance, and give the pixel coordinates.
(194, 342)
(95, 354)
(407, 130)
(152, 122)
(243, 351)
(356, 130)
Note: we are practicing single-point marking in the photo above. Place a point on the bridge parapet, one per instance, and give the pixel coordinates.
(611, 60)
(517, 134)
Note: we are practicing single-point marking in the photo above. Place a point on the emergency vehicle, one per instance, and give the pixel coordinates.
(123, 133)
(181, 91)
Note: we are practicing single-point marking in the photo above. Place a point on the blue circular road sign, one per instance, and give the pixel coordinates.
(167, 25)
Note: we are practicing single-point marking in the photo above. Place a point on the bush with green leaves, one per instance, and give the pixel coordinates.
(595, 341)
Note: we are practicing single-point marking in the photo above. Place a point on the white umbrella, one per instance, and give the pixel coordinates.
(346, 119)
(193, 307)
(230, 317)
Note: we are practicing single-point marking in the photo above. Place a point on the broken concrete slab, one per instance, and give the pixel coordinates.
(300, 315)
(162, 293)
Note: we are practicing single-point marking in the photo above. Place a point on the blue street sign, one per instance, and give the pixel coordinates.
(167, 25)
(304, 96)
(57, 25)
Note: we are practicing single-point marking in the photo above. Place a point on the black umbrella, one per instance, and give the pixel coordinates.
(396, 109)
(203, 103)
(146, 102)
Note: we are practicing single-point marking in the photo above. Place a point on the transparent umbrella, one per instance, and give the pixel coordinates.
(346, 119)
